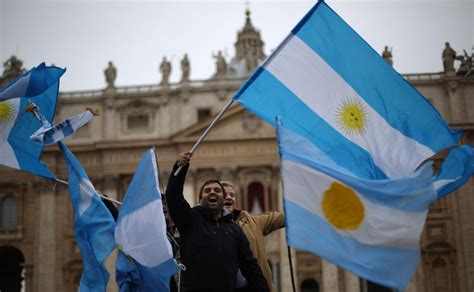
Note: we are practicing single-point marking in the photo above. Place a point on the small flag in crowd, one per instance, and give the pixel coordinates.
(49, 135)
(141, 233)
(32, 83)
(93, 225)
(16, 126)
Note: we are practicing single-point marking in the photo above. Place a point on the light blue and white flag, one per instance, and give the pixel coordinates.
(93, 225)
(456, 170)
(141, 233)
(32, 83)
(49, 135)
(327, 84)
(369, 227)
(16, 126)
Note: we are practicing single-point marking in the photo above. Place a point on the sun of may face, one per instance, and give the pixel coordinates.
(352, 117)
(342, 207)
(7, 112)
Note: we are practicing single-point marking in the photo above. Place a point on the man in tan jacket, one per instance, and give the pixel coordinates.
(255, 228)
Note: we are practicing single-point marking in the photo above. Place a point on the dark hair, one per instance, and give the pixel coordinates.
(210, 182)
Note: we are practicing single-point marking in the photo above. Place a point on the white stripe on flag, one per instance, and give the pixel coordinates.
(382, 225)
(311, 79)
(143, 236)
(7, 155)
(17, 89)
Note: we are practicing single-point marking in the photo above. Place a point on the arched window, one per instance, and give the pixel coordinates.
(309, 285)
(8, 213)
(11, 269)
(256, 198)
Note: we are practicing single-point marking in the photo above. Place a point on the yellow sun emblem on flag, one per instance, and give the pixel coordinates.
(352, 117)
(7, 112)
(342, 207)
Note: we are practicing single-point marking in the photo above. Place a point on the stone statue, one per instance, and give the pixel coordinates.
(165, 69)
(13, 68)
(221, 65)
(466, 67)
(448, 56)
(186, 69)
(110, 75)
(387, 55)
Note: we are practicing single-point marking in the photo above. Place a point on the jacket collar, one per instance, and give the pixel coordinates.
(227, 216)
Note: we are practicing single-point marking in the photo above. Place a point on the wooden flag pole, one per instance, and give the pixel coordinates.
(229, 103)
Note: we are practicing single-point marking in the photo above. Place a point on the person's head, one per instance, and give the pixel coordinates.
(229, 203)
(212, 195)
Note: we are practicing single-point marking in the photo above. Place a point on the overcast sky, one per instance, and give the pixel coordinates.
(84, 35)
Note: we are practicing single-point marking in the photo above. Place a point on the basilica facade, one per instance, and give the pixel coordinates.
(37, 247)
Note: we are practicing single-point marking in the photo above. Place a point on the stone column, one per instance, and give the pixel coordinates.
(352, 282)
(109, 187)
(456, 101)
(45, 266)
(110, 124)
(330, 277)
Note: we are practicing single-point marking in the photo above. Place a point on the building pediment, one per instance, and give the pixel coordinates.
(237, 123)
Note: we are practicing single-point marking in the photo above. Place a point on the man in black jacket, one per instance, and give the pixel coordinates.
(213, 247)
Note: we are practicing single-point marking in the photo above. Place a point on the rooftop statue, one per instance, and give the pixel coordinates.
(387, 55)
(110, 75)
(165, 69)
(186, 69)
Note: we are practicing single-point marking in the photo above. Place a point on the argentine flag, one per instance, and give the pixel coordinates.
(16, 125)
(32, 83)
(326, 83)
(93, 225)
(49, 135)
(369, 227)
(146, 260)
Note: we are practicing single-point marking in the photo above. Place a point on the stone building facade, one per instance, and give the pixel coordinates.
(37, 247)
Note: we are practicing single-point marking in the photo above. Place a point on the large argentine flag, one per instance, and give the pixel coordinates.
(32, 83)
(141, 233)
(370, 227)
(93, 225)
(16, 126)
(49, 135)
(327, 84)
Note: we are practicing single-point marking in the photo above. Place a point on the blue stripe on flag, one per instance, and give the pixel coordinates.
(309, 232)
(26, 151)
(144, 187)
(302, 120)
(32, 83)
(401, 105)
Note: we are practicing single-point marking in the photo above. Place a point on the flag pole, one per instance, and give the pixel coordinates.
(291, 269)
(228, 104)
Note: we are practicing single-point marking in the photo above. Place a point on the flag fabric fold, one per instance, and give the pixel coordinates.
(93, 225)
(326, 83)
(32, 83)
(456, 170)
(48, 135)
(141, 234)
(16, 127)
(369, 227)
